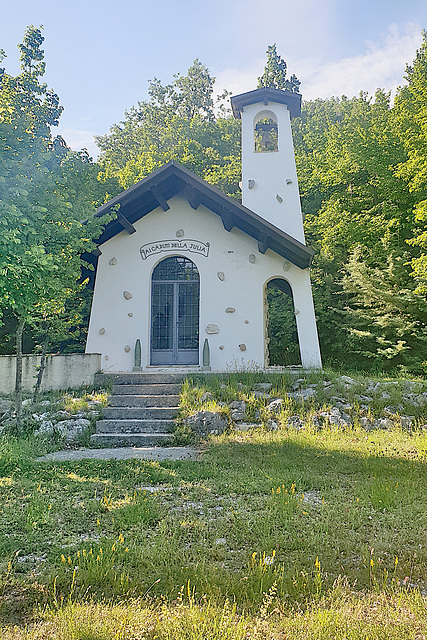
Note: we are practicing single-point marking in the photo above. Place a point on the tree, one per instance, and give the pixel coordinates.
(410, 119)
(357, 204)
(178, 122)
(275, 73)
(41, 233)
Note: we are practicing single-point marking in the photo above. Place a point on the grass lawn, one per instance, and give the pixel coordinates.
(310, 533)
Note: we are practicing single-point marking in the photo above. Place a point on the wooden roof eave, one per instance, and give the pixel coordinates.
(173, 179)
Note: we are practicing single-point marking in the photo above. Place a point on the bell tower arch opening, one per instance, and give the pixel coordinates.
(266, 132)
(281, 335)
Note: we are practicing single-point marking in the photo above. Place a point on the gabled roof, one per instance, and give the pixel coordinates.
(266, 95)
(173, 179)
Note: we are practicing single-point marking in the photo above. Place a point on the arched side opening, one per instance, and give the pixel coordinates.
(175, 296)
(266, 133)
(281, 336)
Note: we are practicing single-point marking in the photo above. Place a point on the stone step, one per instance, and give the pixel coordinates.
(139, 413)
(140, 378)
(134, 426)
(143, 401)
(129, 439)
(146, 389)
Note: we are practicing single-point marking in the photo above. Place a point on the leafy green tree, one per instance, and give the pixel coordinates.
(178, 122)
(389, 318)
(410, 120)
(41, 233)
(275, 73)
(347, 153)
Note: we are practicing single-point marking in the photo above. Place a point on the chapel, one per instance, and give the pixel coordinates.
(181, 273)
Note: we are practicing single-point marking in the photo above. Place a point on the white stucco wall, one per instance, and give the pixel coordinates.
(273, 173)
(116, 322)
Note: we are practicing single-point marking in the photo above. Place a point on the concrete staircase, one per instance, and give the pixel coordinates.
(141, 409)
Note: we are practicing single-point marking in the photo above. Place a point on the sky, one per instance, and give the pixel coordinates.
(100, 54)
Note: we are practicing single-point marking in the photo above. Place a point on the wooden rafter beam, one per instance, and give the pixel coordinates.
(192, 196)
(128, 226)
(227, 219)
(263, 243)
(160, 197)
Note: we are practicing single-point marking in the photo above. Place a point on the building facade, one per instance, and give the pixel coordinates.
(182, 272)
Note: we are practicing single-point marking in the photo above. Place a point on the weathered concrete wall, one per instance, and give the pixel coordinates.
(61, 372)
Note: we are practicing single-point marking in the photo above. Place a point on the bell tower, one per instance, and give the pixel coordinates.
(269, 177)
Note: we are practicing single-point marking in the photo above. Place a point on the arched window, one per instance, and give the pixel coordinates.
(266, 136)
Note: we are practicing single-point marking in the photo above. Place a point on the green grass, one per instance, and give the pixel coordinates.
(262, 537)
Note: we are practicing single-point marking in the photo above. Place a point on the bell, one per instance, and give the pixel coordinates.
(266, 136)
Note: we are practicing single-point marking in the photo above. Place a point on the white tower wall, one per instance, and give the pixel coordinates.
(274, 194)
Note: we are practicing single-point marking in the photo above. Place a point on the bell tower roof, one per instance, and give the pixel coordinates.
(266, 95)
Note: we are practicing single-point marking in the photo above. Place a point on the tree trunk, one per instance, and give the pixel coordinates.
(42, 368)
(18, 379)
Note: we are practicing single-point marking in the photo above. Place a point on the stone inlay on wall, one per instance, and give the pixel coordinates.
(127, 348)
(252, 258)
(102, 331)
(113, 262)
(221, 275)
(242, 347)
(127, 295)
(230, 310)
(212, 328)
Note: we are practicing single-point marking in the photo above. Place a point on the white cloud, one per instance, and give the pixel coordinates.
(238, 81)
(382, 64)
(79, 139)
